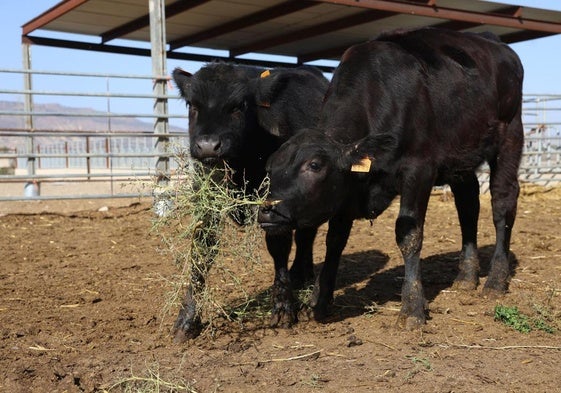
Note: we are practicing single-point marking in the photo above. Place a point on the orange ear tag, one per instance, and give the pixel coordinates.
(265, 74)
(363, 166)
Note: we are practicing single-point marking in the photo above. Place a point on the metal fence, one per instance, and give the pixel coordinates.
(88, 143)
(541, 158)
(84, 143)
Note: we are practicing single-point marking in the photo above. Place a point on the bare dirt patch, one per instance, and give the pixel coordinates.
(81, 295)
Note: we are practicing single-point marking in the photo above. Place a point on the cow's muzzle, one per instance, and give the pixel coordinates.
(207, 148)
(271, 218)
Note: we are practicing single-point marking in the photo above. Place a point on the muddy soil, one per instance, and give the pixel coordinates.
(82, 293)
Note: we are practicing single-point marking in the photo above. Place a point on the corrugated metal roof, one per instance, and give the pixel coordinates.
(305, 29)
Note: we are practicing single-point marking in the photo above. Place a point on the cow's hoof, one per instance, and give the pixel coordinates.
(306, 313)
(283, 315)
(464, 285)
(495, 287)
(186, 330)
(410, 322)
(492, 293)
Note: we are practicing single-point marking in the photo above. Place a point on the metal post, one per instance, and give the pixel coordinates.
(158, 45)
(88, 159)
(28, 108)
(107, 151)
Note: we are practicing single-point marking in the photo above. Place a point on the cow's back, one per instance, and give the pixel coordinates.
(477, 64)
(427, 86)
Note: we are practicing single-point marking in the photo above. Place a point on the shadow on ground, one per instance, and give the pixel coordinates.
(365, 284)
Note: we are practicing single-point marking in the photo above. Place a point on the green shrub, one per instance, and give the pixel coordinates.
(512, 317)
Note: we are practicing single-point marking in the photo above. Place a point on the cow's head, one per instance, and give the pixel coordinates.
(221, 110)
(311, 177)
(289, 99)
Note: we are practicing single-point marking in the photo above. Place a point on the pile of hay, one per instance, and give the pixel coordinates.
(210, 229)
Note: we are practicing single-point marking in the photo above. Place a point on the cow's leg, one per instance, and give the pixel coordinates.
(416, 190)
(504, 195)
(284, 311)
(188, 323)
(466, 197)
(302, 270)
(336, 240)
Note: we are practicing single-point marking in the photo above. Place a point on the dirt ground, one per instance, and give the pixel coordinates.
(82, 293)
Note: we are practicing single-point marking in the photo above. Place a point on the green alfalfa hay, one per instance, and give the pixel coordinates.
(199, 227)
(521, 322)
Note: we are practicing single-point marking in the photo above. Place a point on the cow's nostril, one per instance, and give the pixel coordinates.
(208, 147)
(265, 213)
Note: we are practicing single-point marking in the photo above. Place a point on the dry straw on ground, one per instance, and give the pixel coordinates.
(206, 225)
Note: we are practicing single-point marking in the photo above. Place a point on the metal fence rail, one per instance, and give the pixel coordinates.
(95, 142)
(91, 150)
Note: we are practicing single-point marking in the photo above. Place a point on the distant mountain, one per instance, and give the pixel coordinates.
(66, 123)
(71, 123)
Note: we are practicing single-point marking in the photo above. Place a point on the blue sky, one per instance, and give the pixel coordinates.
(540, 57)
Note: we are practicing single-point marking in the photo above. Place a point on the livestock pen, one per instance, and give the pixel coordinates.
(64, 144)
(82, 293)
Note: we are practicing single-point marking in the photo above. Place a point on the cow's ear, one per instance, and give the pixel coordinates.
(370, 152)
(182, 80)
(357, 158)
(269, 85)
(358, 161)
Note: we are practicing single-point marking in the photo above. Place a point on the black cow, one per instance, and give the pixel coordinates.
(239, 115)
(403, 113)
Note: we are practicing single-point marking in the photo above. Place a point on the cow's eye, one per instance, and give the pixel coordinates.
(314, 166)
(239, 108)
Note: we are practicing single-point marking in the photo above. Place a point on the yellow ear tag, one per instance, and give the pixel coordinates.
(265, 73)
(363, 166)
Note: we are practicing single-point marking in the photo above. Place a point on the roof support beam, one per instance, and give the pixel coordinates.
(274, 12)
(68, 44)
(451, 13)
(510, 11)
(143, 21)
(312, 31)
(127, 50)
(514, 11)
(51, 14)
